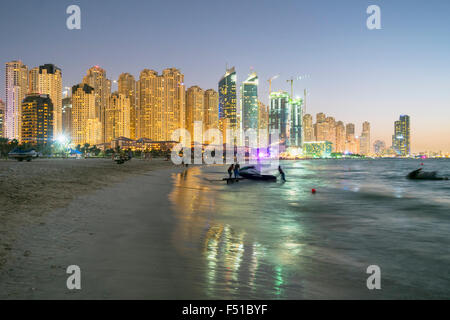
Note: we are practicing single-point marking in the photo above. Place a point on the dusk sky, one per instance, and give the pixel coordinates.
(355, 74)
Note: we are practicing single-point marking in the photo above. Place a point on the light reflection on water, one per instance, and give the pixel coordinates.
(277, 240)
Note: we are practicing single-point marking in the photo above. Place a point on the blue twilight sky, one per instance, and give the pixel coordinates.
(355, 74)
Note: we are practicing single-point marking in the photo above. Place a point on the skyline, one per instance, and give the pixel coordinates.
(354, 73)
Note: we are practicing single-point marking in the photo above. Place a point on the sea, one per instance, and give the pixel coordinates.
(279, 240)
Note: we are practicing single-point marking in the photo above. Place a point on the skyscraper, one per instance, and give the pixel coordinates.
(50, 82)
(365, 139)
(86, 126)
(263, 124)
(211, 112)
(401, 140)
(296, 122)
(37, 119)
(67, 116)
(16, 89)
(118, 113)
(33, 81)
(351, 142)
(195, 109)
(161, 104)
(96, 78)
(280, 117)
(330, 132)
(2, 118)
(249, 103)
(227, 101)
(340, 137)
(379, 147)
(308, 128)
(321, 127)
(127, 87)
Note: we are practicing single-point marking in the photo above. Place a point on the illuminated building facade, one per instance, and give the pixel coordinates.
(16, 89)
(227, 101)
(340, 137)
(211, 112)
(118, 112)
(249, 103)
(50, 82)
(2, 118)
(317, 149)
(195, 108)
(96, 79)
(161, 103)
(33, 81)
(364, 140)
(401, 140)
(37, 119)
(263, 123)
(280, 117)
(86, 126)
(321, 127)
(330, 132)
(379, 147)
(308, 128)
(67, 116)
(351, 142)
(127, 87)
(296, 123)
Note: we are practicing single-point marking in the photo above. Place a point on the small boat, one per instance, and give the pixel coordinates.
(423, 175)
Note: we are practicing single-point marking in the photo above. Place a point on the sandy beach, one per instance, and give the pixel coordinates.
(29, 191)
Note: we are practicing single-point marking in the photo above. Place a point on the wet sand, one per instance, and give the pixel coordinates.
(31, 191)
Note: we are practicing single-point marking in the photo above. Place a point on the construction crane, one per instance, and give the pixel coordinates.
(291, 80)
(270, 83)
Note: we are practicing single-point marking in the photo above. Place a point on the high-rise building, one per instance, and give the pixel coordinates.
(118, 114)
(16, 89)
(211, 113)
(227, 101)
(263, 124)
(249, 103)
(280, 117)
(364, 139)
(340, 137)
(161, 104)
(330, 132)
(308, 128)
(296, 122)
(33, 81)
(50, 82)
(2, 118)
(379, 147)
(37, 119)
(127, 87)
(96, 78)
(351, 142)
(86, 126)
(321, 127)
(67, 116)
(401, 140)
(195, 109)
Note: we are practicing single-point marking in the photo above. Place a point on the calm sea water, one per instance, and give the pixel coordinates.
(278, 240)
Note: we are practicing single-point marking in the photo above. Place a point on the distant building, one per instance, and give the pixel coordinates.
(249, 103)
(37, 119)
(340, 137)
(296, 123)
(228, 101)
(280, 118)
(50, 82)
(263, 123)
(67, 116)
(364, 140)
(379, 147)
(401, 139)
(16, 89)
(351, 141)
(127, 87)
(317, 149)
(308, 128)
(117, 119)
(195, 108)
(211, 111)
(2, 119)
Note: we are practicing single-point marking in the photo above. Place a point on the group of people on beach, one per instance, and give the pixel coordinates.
(234, 168)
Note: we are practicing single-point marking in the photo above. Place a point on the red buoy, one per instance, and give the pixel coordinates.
(313, 190)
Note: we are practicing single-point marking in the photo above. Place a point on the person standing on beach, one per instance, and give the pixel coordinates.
(283, 176)
(230, 171)
(236, 170)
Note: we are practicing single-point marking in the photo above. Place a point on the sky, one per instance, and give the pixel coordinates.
(354, 74)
